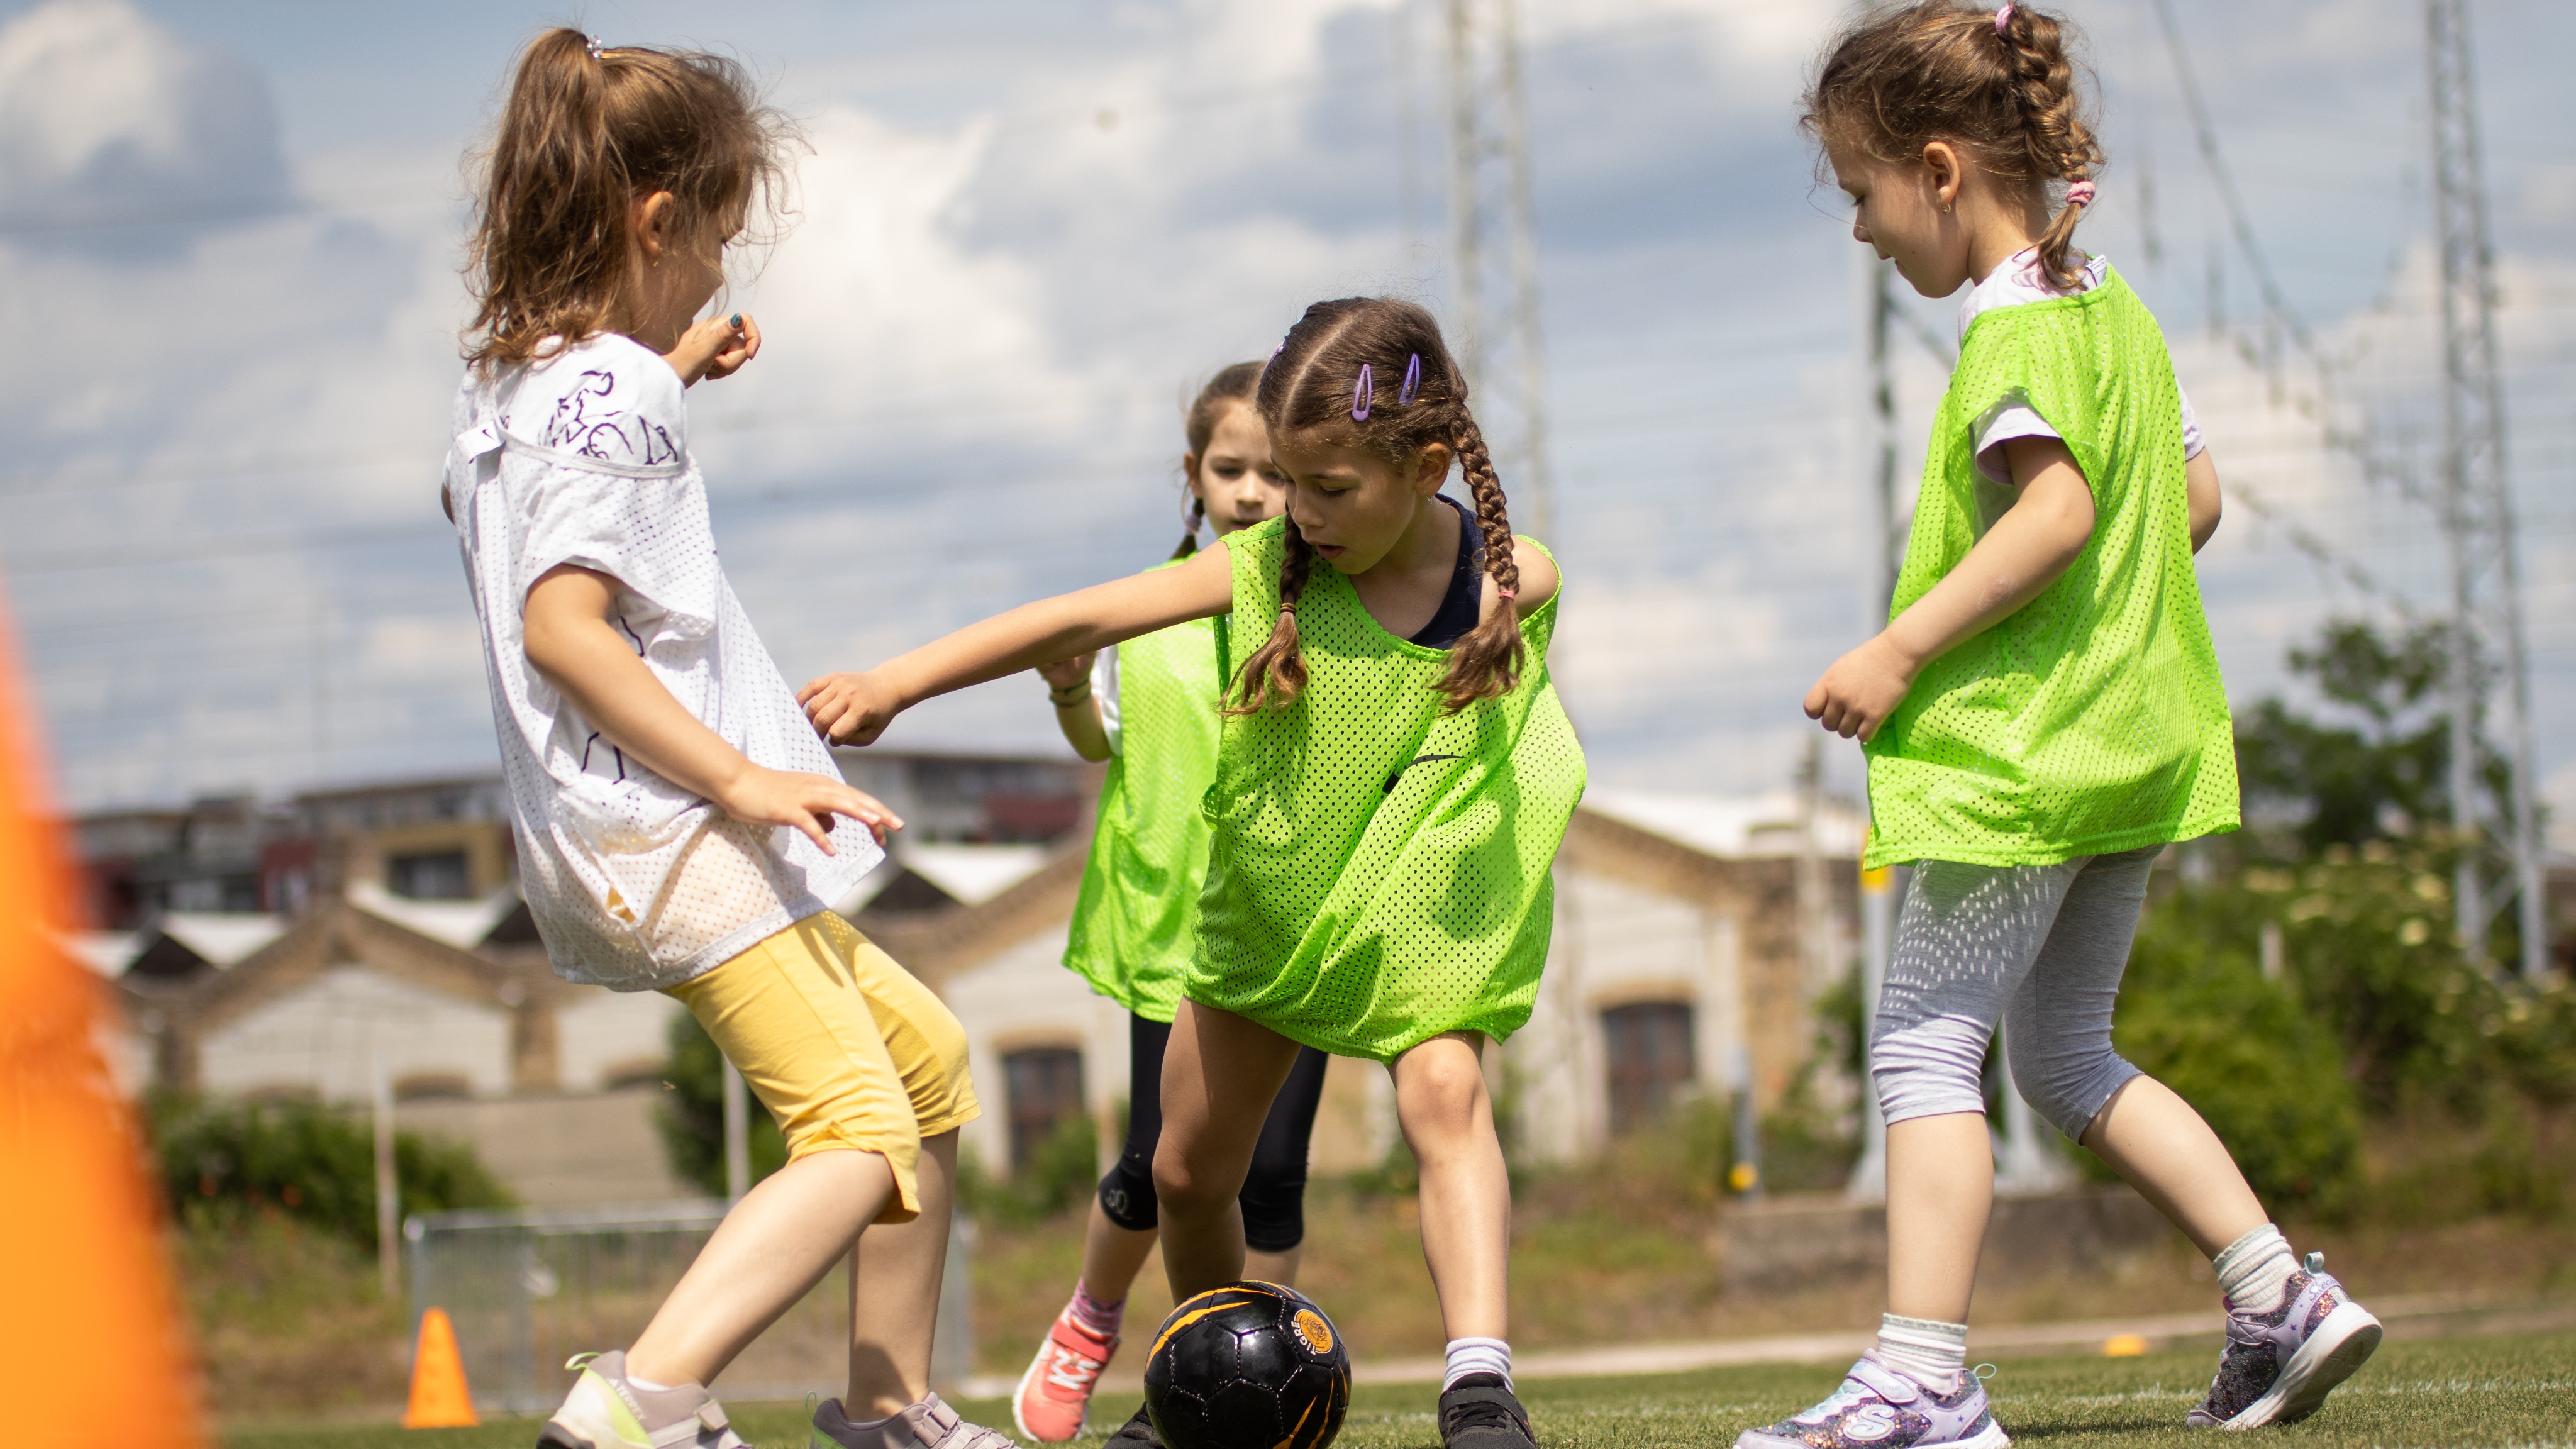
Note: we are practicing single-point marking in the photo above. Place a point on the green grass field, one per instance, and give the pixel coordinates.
(2480, 1393)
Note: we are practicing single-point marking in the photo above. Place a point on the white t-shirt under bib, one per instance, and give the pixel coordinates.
(2016, 281)
(582, 458)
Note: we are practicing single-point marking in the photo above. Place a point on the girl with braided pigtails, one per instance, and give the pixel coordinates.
(1393, 777)
(2042, 716)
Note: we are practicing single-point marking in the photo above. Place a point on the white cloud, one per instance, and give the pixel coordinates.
(99, 107)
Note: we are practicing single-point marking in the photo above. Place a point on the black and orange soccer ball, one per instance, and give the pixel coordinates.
(1247, 1366)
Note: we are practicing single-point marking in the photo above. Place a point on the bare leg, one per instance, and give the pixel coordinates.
(894, 1292)
(1112, 1256)
(2155, 1140)
(1448, 1120)
(1280, 1268)
(1219, 1075)
(770, 1249)
(1940, 1189)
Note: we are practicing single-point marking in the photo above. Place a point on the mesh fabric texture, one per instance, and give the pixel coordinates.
(1135, 922)
(1378, 868)
(2093, 719)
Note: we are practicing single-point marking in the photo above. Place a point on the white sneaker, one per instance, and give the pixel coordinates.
(930, 1424)
(605, 1410)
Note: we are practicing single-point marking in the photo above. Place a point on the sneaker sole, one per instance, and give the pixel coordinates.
(2341, 1345)
(1991, 1437)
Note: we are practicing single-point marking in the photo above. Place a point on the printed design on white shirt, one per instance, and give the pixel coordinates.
(574, 426)
(634, 882)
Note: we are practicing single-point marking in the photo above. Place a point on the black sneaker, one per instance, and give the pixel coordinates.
(1136, 1433)
(1479, 1412)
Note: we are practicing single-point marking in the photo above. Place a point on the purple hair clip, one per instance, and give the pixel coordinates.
(1362, 394)
(1412, 382)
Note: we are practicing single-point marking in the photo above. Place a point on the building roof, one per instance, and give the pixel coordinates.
(1733, 827)
(458, 923)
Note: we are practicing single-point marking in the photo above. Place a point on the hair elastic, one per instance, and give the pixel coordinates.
(591, 42)
(2079, 193)
(2003, 16)
(1362, 395)
(1506, 595)
(1412, 381)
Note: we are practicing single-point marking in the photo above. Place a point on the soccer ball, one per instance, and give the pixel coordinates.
(1247, 1366)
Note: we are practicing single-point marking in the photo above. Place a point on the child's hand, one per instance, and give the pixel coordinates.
(849, 709)
(1066, 673)
(760, 796)
(1862, 689)
(717, 347)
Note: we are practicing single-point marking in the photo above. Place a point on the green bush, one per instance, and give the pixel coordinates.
(691, 1114)
(313, 1163)
(1061, 1173)
(2196, 1014)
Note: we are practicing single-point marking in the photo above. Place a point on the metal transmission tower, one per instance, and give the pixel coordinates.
(1494, 290)
(2477, 518)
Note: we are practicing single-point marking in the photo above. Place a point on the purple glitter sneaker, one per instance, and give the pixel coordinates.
(2279, 1366)
(1881, 1408)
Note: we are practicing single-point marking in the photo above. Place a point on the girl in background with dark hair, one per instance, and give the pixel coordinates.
(1394, 775)
(1149, 708)
(680, 828)
(2043, 715)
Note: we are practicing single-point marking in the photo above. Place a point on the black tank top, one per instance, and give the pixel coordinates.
(1459, 607)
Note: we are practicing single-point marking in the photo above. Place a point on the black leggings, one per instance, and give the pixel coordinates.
(1274, 1191)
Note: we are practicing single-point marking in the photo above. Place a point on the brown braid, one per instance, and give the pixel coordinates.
(1488, 661)
(1939, 71)
(1312, 384)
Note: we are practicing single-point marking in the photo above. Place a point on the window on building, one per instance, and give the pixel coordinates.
(1045, 1088)
(1648, 1046)
(432, 875)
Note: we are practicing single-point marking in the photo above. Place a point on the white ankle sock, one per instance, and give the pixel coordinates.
(1477, 1356)
(1930, 1351)
(2254, 1271)
(650, 1387)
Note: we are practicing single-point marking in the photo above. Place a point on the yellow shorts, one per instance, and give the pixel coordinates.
(846, 1049)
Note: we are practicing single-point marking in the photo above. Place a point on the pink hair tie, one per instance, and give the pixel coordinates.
(1506, 595)
(2003, 17)
(2080, 194)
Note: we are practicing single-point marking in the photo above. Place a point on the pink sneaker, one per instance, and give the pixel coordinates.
(1055, 1394)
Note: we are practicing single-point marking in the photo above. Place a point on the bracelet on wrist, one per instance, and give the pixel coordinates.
(1063, 701)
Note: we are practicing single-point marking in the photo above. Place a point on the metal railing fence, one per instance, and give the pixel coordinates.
(529, 1288)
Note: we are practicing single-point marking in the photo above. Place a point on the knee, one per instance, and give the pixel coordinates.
(1930, 1068)
(2067, 1083)
(1127, 1195)
(1448, 1088)
(1185, 1183)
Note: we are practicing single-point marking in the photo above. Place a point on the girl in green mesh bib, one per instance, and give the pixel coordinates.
(1149, 707)
(1393, 777)
(2042, 715)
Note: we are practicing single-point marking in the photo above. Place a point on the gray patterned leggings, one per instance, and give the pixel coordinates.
(2037, 949)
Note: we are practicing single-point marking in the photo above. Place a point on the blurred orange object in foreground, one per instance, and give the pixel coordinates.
(91, 1347)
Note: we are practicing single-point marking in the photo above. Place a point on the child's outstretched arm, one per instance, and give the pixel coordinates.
(853, 709)
(2036, 540)
(570, 641)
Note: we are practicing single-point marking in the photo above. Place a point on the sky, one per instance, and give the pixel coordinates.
(230, 240)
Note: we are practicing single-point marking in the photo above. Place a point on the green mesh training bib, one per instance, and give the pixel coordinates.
(1135, 922)
(1378, 872)
(2093, 719)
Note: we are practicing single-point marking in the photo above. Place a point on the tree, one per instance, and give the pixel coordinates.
(2376, 774)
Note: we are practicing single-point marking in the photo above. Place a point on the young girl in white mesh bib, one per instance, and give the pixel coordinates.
(680, 827)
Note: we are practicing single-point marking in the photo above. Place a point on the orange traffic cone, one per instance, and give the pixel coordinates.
(91, 1345)
(439, 1399)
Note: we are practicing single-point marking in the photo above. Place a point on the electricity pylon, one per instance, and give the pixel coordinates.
(1494, 289)
(2489, 666)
